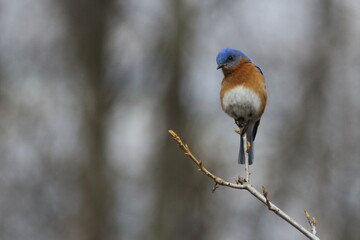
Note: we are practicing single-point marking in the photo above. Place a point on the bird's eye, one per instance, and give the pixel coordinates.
(230, 58)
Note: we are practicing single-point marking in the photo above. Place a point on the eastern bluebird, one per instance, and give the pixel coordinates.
(242, 94)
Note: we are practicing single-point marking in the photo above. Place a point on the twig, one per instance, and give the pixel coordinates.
(246, 148)
(246, 151)
(312, 222)
(216, 179)
(241, 183)
(216, 186)
(266, 195)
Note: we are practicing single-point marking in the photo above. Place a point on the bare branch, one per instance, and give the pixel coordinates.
(241, 183)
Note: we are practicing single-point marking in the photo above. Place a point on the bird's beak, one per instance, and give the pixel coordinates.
(221, 65)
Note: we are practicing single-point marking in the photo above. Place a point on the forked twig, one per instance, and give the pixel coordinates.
(241, 183)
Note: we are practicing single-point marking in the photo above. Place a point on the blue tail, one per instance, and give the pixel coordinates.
(250, 135)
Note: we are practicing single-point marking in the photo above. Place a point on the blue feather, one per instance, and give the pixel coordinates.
(258, 68)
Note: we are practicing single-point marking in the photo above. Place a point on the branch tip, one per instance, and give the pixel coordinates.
(311, 221)
(176, 137)
(172, 133)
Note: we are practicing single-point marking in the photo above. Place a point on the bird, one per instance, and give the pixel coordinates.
(242, 95)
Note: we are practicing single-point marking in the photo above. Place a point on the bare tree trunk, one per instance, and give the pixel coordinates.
(304, 125)
(178, 199)
(303, 152)
(87, 24)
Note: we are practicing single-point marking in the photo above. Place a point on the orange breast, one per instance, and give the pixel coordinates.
(247, 75)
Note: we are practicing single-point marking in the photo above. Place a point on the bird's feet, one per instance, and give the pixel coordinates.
(243, 125)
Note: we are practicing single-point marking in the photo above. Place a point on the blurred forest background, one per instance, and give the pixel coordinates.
(88, 90)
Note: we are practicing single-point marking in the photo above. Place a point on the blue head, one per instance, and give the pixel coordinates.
(229, 57)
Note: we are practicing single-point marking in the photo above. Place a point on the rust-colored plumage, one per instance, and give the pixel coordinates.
(247, 75)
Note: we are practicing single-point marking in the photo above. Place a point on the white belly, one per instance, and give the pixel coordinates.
(241, 103)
